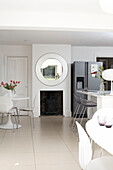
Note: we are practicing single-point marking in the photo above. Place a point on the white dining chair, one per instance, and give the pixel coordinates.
(30, 109)
(6, 105)
(85, 154)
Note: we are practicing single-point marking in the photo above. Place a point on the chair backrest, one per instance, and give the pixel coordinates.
(77, 99)
(85, 150)
(87, 103)
(5, 104)
(83, 100)
(35, 100)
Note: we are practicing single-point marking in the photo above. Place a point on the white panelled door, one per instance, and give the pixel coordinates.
(17, 69)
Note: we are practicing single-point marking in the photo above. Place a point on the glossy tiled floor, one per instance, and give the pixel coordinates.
(52, 145)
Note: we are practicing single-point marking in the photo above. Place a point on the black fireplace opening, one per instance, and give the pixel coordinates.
(51, 103)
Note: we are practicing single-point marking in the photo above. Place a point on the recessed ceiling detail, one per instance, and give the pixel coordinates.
(74, 38)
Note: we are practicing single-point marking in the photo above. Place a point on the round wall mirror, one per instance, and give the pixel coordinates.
(51, 69)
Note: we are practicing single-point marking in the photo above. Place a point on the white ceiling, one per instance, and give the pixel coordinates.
(55, 6)
(60, 20)
(75, 38)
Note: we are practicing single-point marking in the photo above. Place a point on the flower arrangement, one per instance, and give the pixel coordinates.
(99, 73)
(11, 85)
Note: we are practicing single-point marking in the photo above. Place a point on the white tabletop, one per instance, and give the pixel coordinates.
(101, 135)
(16, 97)
(20, 97)
(94, 93)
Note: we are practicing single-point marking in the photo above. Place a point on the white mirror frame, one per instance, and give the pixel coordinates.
(51, 56)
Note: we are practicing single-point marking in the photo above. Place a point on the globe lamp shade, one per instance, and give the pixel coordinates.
(108, 75)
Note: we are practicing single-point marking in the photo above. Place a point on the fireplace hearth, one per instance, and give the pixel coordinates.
(51, 102)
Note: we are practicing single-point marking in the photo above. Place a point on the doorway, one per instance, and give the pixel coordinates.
(17, 70)
(107, 64)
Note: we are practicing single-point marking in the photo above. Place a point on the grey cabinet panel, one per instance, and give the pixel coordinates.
(80, 69)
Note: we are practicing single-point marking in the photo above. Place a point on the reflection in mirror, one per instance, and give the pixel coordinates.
(51, 69)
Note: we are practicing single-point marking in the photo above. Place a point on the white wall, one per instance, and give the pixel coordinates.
(90, 53)
(65, 52)
(9, 50)
(69, 53)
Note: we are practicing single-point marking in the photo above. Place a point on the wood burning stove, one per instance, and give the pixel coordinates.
(51, 102)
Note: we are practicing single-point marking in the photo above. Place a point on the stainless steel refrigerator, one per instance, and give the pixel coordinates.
(83, 77)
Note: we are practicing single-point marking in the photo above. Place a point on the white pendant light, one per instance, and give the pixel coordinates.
(107, 5)
(108, 75)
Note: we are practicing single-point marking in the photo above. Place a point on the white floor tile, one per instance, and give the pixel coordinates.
(54, 158)
(58, 167)
(52, 145)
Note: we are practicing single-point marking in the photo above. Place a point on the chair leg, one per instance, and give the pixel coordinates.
(101, 152)
(13, 123)
(78, 106)
(74, 115)
(2, 118)
(80, 113)
(13, 129)
(33, 119)
(83, 115)
(93, 148)
(18, 121)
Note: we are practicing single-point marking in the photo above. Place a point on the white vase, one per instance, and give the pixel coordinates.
(102, 87)
(10, 93)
